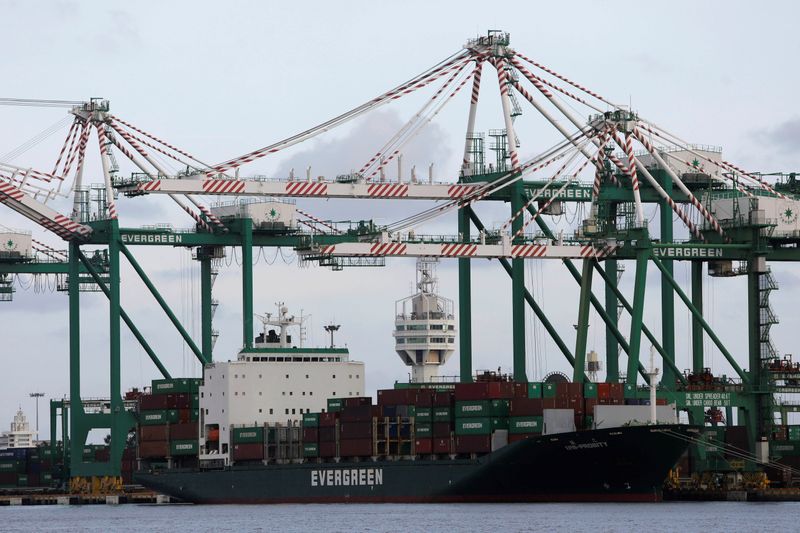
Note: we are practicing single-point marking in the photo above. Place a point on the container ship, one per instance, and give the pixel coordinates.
(288, 424)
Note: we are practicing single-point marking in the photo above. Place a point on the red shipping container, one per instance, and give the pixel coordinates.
(327, 434)
(472, 391)
(151, 433)
(310, 435)
(8, 478)
(442, 399)
(473, 443)
(327, 449)
(361, 413)
(127, 453)
(423, 446)
(441, 429)
(182, 401)
(355, 447)
(516, 437)
(149, 402)
(154, 449)
(355, 430)
(397, 397)
(441, 445)
(616, 391)
(327, 419)
(570, 390)
(102, 455)
(526, 407)
(424, 398)
(357, 401)
(661, 401)
(603, 391)
(520, 390)
(248, 452)
(185, 431)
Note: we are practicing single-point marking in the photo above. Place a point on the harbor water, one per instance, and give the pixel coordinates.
(499, 518)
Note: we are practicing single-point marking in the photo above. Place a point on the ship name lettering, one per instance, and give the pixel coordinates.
(585, 446)
(347, 477)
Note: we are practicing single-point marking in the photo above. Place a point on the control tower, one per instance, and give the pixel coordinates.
(425, 326)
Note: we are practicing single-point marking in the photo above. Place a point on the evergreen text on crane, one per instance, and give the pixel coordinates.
(151, 238)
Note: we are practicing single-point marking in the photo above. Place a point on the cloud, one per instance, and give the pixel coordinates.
(784, 138)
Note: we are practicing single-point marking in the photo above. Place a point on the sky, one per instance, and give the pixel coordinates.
(222, 79)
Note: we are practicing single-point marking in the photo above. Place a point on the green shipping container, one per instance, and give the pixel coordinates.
(473, 426)
(334, 405)
(195, 401)
(525, 424)
(481, 408)
(794, 432)
(548, 390)
(630, 391)
(442, 414)
(194, 415)
(590, 390)
(47, 477)
(310, 420)
(248, 435)
(423, 431)
(424, 414)
(534, 390)
(11, 465)
(155, 418)
(311, 450)
(183, 447)
(500, 423)
(174, 386)
(22, 480)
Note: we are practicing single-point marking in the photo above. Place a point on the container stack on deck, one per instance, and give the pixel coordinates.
(30, 467)
(168, 422)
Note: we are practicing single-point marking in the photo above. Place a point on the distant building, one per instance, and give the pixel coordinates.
(20, 435)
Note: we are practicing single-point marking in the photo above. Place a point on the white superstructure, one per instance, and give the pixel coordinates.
(275, 382)
(20, 436)
(425, 326)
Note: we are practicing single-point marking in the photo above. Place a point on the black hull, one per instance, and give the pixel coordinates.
(620, 464)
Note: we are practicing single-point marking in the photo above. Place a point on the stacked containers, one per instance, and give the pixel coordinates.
(328, 424)
(570, 396)
(525, 418)
(247, 443)
(12, 467)
(311, 435)
(168, 420)
(423, 422)
(590, 394)
(355, 431)
(395, 425)
(442, 422)
(481, 411)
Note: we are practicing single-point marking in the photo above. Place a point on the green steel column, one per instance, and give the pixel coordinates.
(53, 425)
(578, 368)
(76, 444)
(161, 302)
(247, 282)
(697, 327)
(640, 280)
(667, 296)
(119, 432)
(518, 288)
(611, 305)
(205, 303)
(754, 415)
(464, 302)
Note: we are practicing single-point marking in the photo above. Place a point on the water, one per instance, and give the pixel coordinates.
(494, 518)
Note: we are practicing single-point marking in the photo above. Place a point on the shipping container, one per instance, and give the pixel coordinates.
(253, 451)
(442, 413)
(442, 445)
(155, 418)
(311, 434)
(327, 434)
(526, 407)
(443, 399)
(484, 390)
(423, 446)
(310, 420)
(525, 424)
(355, 430)
(473, 426)
(442, 429)
(548, 390)
(151, 402)
(327, 449)
(355, 447)
(183, 447)
(357, 401)
(590, 390)
(334, 405)
(310, 449)
(175, 386)
(184, 431)
(248, 435)
(423, 431)
(362, 413)
(153, 449)
(423, 414)
(11, 465)
(425, 398)
(328, 419)
(473, 443)
(397, 397)
(482, 408)
(534, 390)
(794, 432)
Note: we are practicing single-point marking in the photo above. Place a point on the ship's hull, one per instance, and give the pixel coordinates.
(619, 464)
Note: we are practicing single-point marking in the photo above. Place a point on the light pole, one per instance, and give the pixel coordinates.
(37, 395)
(331, 328)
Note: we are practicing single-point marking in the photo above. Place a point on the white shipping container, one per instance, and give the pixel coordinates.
(614, 416)
(559, 421)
